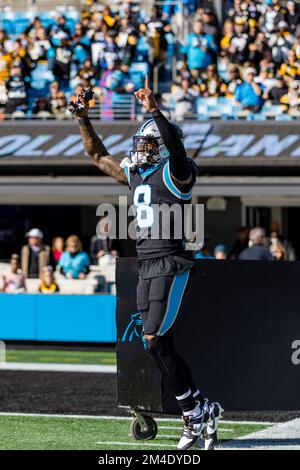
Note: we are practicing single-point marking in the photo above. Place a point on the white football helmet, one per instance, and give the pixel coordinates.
(148, 146)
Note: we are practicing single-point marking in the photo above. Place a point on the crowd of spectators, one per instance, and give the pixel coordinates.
(254, 245)
(67, 259)
(97, 51)
(253, 57)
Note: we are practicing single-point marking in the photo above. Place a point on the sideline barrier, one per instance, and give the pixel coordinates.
(239, 329)
(89, 318)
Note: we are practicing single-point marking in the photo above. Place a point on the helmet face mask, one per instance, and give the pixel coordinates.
(145, 150)
(148, 146)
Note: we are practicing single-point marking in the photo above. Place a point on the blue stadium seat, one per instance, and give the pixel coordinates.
(202, 109)
(22, 20)
(272, 110)
(228, 108)
(9, 26)
(284, 117)
(256, 117)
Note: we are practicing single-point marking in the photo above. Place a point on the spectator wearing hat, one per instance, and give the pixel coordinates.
(35, 255)
(257, 250)
(74, 262)
(48, 284)
(250, 93)
(220, 252)
(13, 282)
(238, 51)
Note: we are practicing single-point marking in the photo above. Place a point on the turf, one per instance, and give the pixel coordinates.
(61, 357)
(55, 433)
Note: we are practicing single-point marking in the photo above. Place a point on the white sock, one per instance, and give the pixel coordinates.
(194, 413)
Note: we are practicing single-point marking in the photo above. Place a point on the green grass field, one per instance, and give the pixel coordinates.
(61, 357)
(63, 433)
(53, 433)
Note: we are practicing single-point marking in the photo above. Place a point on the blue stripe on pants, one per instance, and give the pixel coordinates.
(174, 301)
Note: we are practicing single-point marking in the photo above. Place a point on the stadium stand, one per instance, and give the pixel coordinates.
(54, 42)
(98, 280)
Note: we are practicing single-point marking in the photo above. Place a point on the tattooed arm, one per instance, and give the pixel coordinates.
(94, 146)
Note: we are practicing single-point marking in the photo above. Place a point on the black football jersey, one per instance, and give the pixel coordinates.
(159, 211)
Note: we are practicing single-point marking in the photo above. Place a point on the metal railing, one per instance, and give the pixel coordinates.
(129, 114)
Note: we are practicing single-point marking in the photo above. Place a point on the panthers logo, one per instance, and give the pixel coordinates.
(134, 329)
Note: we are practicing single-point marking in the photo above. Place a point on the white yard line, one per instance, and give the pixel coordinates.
(134, 444)
(121, 418)
(178, 428)
(56, 367)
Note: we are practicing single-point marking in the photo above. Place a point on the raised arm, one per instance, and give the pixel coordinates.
(182, 168)
(93, 144)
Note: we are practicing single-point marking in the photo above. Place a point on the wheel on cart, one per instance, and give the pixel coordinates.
(143, 427)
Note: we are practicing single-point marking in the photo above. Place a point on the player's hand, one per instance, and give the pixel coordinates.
(146, 98)
(79, 107)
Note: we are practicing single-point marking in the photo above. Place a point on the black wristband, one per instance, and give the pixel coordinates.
(84, 121)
